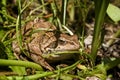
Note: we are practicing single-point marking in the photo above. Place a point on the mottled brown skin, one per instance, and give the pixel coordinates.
(37, 42)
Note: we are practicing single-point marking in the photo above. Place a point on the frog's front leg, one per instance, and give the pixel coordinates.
(35, 55)
(40, 60)
(16, 49)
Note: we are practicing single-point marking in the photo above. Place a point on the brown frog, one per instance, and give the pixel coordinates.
(41, 38)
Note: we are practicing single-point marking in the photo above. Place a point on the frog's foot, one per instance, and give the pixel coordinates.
(38, 59)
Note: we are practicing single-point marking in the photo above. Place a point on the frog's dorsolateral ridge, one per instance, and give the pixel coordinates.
(40, 38)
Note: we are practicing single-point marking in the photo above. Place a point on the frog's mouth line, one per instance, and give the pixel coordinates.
(58, 53)
(57, 56)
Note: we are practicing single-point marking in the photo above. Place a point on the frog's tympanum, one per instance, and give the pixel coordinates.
(41, 38)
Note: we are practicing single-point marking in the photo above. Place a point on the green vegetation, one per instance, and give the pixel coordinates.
(66, 15)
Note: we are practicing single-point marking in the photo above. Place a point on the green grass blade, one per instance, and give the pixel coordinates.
(112, 64)
(4, 62)
(100, 11)
(64, 7)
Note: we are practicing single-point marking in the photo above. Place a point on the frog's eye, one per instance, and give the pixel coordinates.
(61, 42)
